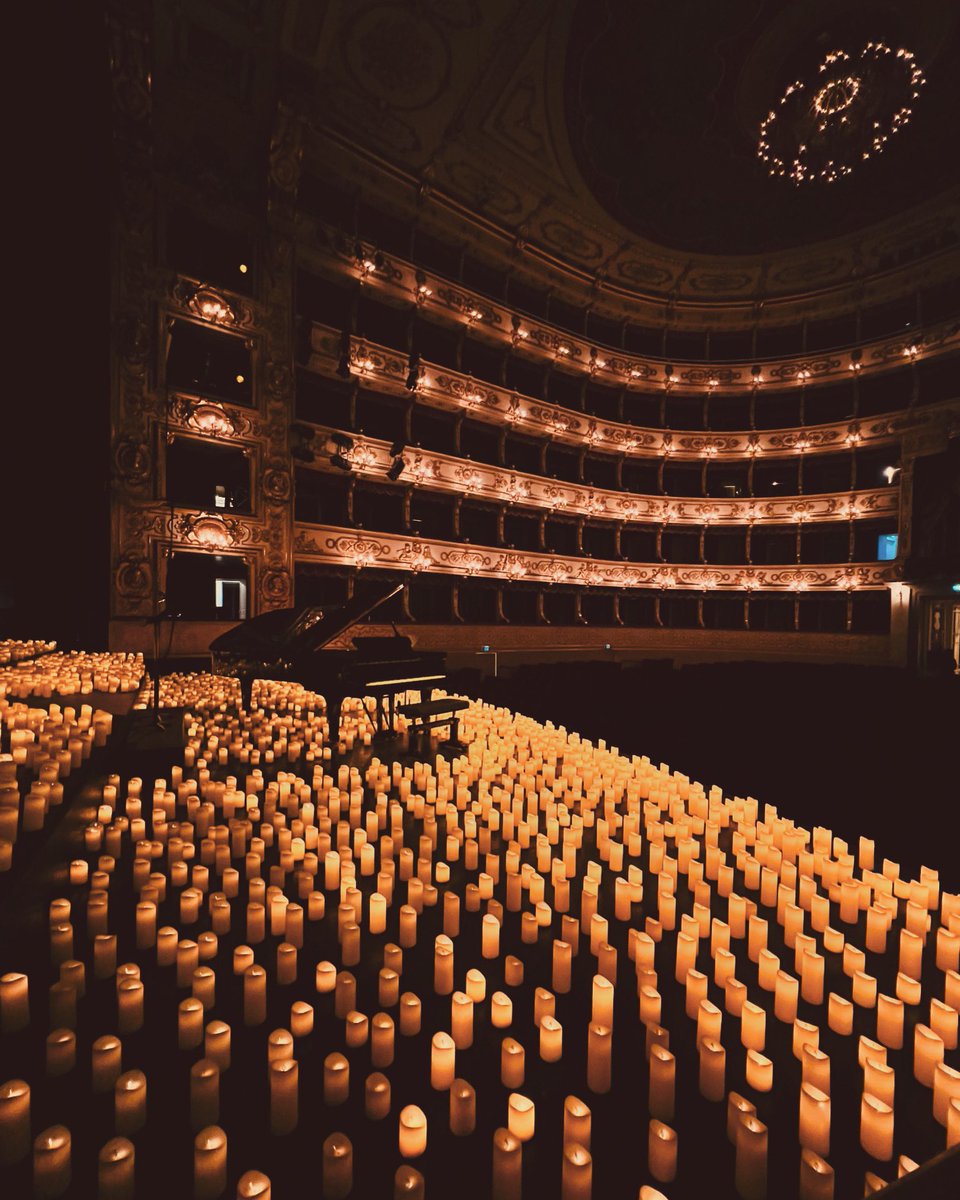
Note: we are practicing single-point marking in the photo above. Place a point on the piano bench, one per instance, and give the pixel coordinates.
(430, 713)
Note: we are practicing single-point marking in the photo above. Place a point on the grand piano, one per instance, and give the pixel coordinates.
(291, 643)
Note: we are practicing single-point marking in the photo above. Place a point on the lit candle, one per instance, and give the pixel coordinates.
(512, 1063)
(513, 971)
(217, 1039)
(890, 1021)
(61, 1051)
(840, 1014)
(410, 1012)
(336, 1079)
(753, 1026)
(412, 1132)
(946, 1090)
(576, 1122)
(944, 1022)
(337, 1166)
(759, 1071)
(551, 1039)
(737, 1106)
(377, 1096)
(301, 1018)
(577, 1174)
(209, 1163)
(442, 1061)
(382, 1040)
(51, 1162)
(879, 1080)
(507, 1165)
(816, 1177)
(501, 1010)
(713, 1069)
(204, 1093)
(14, 1002)
(130, 1102)
(876, 1127)
(408, 1184)
(14, 1121)
(253, 1185)
(562, 966)
(461, 1020)
(751, 1165)
(129, 1005)
(815, 1067)
(521, 1116)
(490, 943)
(463, 1108)
(927, 1052)
(599, 1053)
(443, 962)
(662, 1151)
(356, 1029)
(814, 1119)
(116, 1167)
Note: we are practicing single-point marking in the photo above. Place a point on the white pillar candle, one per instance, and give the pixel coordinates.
(130, 1102)
(507, 1166)
(927, 1053)
(814, 1122)
(876, 1128)
(946, 1090)
(521, 1116)
(577, 1120)
(116, 1170)
(412, 1131)
(377, 1096)
(879, 1080)
(751, 1162)
(512, 1063)
(410, 1014)
(337, 1166)
(737, 1106)
(576, 1182)
(14, 1002)
(463, 1108)
(51, 1162)
(336, 1079)
(209, 1163)
(408, 1184)
(551, 1039)
(662, 1151)
(816, 1177)
(14, 1121)
(599, 1054)
(443, 1055)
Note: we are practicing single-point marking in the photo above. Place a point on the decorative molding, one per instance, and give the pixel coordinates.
(348, 547)
(453, 303)
(371, 459)
(386, 370)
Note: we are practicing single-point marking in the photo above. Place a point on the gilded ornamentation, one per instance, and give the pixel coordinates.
(343, 547)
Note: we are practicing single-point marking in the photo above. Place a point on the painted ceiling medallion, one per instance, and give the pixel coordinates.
(825, 125)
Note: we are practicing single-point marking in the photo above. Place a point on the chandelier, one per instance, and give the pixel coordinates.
(847, 112)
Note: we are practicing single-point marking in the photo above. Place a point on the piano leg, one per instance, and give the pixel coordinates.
(246, 691)
(333, 721)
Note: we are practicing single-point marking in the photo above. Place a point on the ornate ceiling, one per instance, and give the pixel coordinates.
(614, 138)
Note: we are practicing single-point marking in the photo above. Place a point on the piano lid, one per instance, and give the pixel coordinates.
(291, 632)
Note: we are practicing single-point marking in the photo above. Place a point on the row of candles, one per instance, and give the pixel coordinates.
(14, 650)
(39, 748)
(540, 791)
(71, 673)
